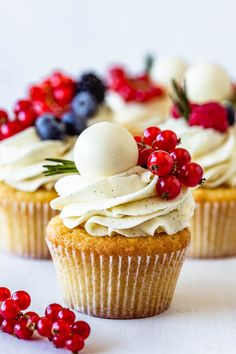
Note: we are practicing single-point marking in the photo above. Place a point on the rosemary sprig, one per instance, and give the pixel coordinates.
(180, 99)
(148, 64)
(61, 167)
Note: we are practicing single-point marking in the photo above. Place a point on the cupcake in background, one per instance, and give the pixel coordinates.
(45, 123)
(207, 131)
(122, 234)
(137, 101)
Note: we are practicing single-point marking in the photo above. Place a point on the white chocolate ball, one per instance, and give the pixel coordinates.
(165, 70)
(207, 82)
(105, 149)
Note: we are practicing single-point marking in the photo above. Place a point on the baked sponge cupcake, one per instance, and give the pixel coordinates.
(137, 101)
(208, 131)
(121, 237)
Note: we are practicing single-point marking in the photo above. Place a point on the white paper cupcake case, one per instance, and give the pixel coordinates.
(117, 286)
(214, 230)
(23, 227)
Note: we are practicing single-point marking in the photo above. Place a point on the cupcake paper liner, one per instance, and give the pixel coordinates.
(23, 227)
(214, 230)
(116, 286)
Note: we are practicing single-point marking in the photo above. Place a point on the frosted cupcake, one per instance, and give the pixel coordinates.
(137, 101)
(208, 132)
(122, 234)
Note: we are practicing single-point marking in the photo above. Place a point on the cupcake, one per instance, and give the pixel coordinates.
(121, 237)
(208, 131)
(137, 101)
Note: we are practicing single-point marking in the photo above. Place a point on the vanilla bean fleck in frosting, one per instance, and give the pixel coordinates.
(214, 151)
(22, 157)
(125, 204)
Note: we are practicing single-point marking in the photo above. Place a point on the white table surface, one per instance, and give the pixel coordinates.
(201, 320)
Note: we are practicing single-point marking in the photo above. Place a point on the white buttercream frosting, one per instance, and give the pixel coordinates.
(214, 151)
(137, 116)
(125, 204)
(22, 157)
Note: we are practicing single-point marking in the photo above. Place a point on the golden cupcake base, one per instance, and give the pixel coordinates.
(116, 277)
(214, 223)
(23, 220)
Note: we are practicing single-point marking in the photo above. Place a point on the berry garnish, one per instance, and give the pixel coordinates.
(138, 88)
(4, 293)
(9, 129)
(180, 156)
(84, 105)
(52, 311)
(149, 135)
(91, 83)
(210, 115)
(168, 187)
(64, 94)
(3, 116)
(160, 163)
(49, 127)
(166, 140)
(22, 299)
(191, 175)
(143, 156)
(74, 124)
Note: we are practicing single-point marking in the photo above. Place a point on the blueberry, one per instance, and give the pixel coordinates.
(74, 124)
(49, 127)
(230, 113)
(84, 105)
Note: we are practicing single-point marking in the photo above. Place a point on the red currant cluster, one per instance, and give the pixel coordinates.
(133, 88)
(59, 324)
(173, 166)
(52, 95)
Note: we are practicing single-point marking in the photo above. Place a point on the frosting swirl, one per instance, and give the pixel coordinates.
(126, 204)
(22, 157)
(214, 151)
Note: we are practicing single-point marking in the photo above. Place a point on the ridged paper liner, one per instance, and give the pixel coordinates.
(214, 230)
(116, 286)
(23, 227)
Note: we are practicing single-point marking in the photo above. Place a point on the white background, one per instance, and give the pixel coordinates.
(38, 36)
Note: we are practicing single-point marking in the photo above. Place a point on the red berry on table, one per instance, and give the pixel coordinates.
(168, 187)
(67, 315)
(21, 329)
(22, 299)
(180, 156)
(210, 115)
(160, 163)
(52, 311)
(44, 327)
(3, 116)
(166, 140)
(32, 318)
(4, 293)
(82, 328)
(150, 134)
(1, 319)
(143, 156)
(9, 309)
(59, 341)
(61, 327)
(7, 326)
(9, 129)
(191, 174)
(63, 95)
(22, 105)
(75, 343)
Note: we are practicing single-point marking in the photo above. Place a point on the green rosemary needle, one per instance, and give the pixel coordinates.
(180, 99)
(60, 167)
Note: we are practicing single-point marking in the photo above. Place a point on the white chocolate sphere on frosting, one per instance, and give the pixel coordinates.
(207, 82)
(165, 70)
(105, 149)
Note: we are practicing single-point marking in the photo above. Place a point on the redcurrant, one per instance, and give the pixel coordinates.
(22, 105)
(21, 329)
(22, 299)
(150, 134)
(67, 315)
(9, 309)
(75, 343)
(37, 93)
(191, 174)
(9, 129)
(61, 327)
(52, 311)
(180, 156)
(59, 341)
(4, 294)
(160, 163)
(168, 187)
(63, 95)
(166, 140)
(27, 117)
(143, 156)
(44, 327)
(3, 116)
(82, 328)
(7, 326)
(32, 318)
